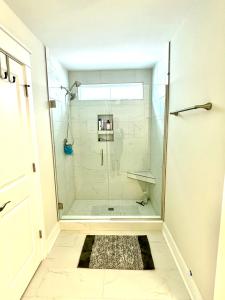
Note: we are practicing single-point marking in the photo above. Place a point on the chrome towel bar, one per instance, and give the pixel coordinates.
(207, 106)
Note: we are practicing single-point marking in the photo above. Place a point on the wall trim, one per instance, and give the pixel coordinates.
(50, 240)
(12, 36)
(181, 265)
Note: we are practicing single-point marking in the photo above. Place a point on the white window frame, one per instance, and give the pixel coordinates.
(109, 90)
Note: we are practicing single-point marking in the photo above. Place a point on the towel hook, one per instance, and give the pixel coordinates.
(13, 79)
(5, 73)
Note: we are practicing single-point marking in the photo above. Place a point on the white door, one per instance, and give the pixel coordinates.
(19, 233)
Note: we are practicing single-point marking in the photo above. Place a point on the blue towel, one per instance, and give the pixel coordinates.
(68, 149)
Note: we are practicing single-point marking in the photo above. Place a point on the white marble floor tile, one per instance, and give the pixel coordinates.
(57, 278)
(65, 257)
(37, 298)
(67, 238)
(135, 284)
(36, 281)
(75, 298)
(143, 285)
(161, 256)
(77, 284)
(155, 236)
(66, 298)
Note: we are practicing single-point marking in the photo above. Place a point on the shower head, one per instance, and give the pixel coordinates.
(69, 91)
(75, 84)
(74, 95)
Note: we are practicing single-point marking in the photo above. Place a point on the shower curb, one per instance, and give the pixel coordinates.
(111, 225)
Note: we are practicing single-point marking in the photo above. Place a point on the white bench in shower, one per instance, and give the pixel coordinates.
(145, 176)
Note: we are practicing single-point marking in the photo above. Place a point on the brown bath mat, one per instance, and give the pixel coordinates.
(119, 252)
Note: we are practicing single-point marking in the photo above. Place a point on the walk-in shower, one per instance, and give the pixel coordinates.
(108, 142)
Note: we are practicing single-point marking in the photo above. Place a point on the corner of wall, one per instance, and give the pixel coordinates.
(181, 265)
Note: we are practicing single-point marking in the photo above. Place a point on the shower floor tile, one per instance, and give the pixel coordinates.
(111, 208)
(118, 210)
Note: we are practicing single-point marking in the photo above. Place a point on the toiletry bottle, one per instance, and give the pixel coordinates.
(108, 125)
(103, 124)
(100, 124)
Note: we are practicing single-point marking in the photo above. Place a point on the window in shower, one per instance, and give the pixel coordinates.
(111, 92)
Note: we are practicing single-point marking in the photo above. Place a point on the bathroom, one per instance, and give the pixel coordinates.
(114, 170)
(112, 119)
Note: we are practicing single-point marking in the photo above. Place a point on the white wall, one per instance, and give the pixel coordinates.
(219, 292)
(128, 152)
(15, 26)
(159, 82)
(196, 146)
(57, 77)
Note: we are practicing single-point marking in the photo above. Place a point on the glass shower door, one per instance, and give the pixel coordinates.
(90, 160)
(129, 152)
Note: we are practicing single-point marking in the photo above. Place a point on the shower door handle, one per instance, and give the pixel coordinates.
(102, 157)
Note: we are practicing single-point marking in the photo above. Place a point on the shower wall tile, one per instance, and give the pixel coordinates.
(111, 76)
(128, 152)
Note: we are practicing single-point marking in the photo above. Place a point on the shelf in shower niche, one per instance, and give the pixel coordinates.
(145, 176)
(105, 132)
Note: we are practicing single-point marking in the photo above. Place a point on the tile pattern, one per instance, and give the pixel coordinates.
(58, 279)
(100, 208)
(115, 210)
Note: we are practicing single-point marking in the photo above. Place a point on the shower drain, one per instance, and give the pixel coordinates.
(119, 210)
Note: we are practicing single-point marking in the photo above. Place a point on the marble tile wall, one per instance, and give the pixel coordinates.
(130, 150)
(58, 76)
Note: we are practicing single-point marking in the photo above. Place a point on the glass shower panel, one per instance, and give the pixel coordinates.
(115, 170)
(81, 177)
(130, 153)
(90, 160)
(62, 166)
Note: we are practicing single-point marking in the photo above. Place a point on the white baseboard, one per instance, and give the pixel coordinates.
(181, 265)
(49, 242)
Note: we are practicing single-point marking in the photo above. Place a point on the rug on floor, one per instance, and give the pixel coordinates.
(121, 252)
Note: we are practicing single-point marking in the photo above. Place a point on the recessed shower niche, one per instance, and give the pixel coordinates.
(105, 128)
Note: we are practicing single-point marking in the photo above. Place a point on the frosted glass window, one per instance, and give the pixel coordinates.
(93, 92)
(130, 91)
(122, 91)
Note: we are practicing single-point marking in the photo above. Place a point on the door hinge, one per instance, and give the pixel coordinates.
(26, 86)
(60, 205)
(40, 234)
(52, 104)
(34, 167)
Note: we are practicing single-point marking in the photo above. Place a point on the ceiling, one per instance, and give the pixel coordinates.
(103, 34)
